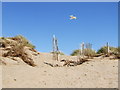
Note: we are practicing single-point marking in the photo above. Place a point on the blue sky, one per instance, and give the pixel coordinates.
(96, 23)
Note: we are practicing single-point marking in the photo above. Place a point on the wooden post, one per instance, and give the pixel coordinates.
(55, 48)
(82, 49)
(108, 50)
(53, 42)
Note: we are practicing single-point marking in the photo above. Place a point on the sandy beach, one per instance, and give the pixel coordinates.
(96, 73)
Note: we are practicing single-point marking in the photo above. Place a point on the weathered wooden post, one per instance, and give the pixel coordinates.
(108, 50)
(82, 49)
(53, 42)
(55, 48)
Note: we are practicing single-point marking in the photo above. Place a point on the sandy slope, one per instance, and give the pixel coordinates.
(93, 74)
(0, 77)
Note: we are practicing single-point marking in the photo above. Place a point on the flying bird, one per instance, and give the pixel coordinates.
(72, 17)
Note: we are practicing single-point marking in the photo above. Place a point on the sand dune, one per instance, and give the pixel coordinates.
(96, 73)
(24, 67)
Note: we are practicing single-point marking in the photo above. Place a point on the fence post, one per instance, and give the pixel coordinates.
(82, 49)
(108, 50)
(55, 48)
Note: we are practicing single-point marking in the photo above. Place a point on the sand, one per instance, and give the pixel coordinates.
(0, 77)
(97, 73)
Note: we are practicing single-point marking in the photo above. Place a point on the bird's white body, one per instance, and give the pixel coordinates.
(72, 17)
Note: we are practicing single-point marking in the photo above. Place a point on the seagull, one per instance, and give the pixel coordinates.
(72, 17)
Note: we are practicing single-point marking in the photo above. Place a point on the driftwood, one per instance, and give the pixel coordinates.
(98, 55)
(56, 65)
(115, 57)
(68, 63)
(73, 63)
(48, 64)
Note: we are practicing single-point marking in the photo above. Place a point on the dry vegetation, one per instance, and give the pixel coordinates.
(14, 47)
(115, 52)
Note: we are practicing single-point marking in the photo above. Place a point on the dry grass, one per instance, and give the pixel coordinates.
(23, 40)
(15, 48)
(18, 51)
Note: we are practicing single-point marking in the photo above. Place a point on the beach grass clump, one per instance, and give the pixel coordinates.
(119, 49)
(86, 52)
(75, 52)
(23, 40)
(18, 51)
(104, 50)
(15, 47)
(89, 52)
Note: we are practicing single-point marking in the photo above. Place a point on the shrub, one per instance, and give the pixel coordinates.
(104, 50)
(16, 48)
(61, 53)
(2, 38)
(18, 51)
(119, 49)
(87, 52)
(23, 40)
(75, 52)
